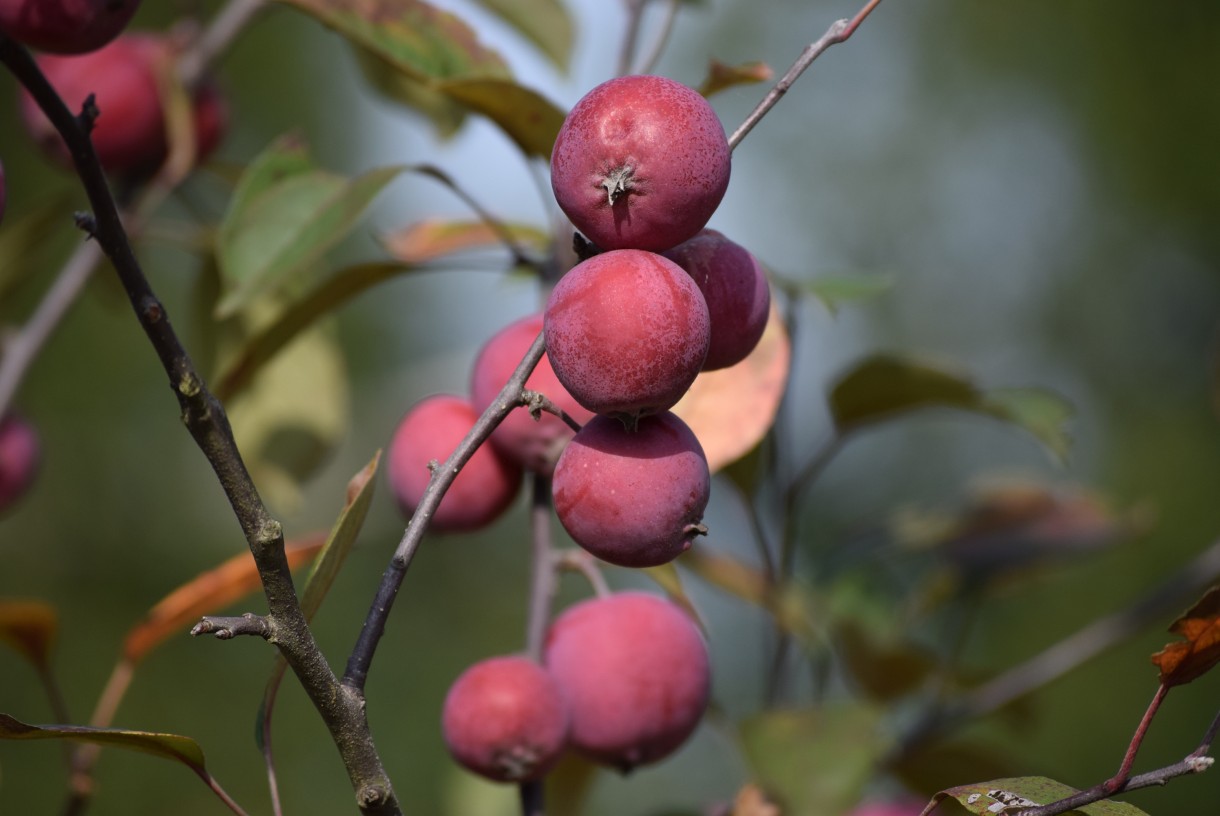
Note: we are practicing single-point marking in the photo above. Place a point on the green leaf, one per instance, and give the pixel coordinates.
(792, 607)
(446, 115)
(29, 627)
(296, 317)
(525, 116)
(814, 760)
(982, 797)
(884, 668)
(437, 53)
(168, 746)
(25, 239)
(322, 576)
(288, 421)
(836, 291)
(885, 386)
(285, 215)
(545, 23)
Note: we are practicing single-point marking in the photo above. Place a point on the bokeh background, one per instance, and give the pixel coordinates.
(1040, 179)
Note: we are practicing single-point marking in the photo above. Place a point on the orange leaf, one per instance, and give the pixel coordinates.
(208, 592)
(721, 76)
(730, 410)
(1182, 662)
(435, 238)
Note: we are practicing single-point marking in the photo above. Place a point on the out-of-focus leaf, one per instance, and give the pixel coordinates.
(790, 605)
(288, 420)
(29, 627)
(814, 760)
(322, 575)
(836, 291)
(731, 410)
(168, 746)
(435, 51)
(751, 801)
(545, 23)
(528, 118)
(1014, 524)
(207, 593)
(435, 238)
(445, 114)
(884, 670)
(747, 471)
(990, 798)
(885, 386)
(279, 224)
(27, 236)
(937, 765)
(568, 785)
(1181, 662)
(300, 314)
(720, 76)
(669, 579)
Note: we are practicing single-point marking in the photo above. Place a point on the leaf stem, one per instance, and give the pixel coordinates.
(838, 32)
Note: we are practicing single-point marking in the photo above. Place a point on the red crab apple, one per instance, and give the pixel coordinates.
(19, 454)
(534, 444)
(627, 332)
(635, 672)
(65, 26)
(633, 498)
(736, 290)
(641, 162)
(431, 430)
(506, 719)
(129, 134)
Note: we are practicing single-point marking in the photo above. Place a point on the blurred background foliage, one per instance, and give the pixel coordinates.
(1041, 181)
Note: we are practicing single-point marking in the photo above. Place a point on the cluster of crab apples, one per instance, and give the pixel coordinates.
(639, 166)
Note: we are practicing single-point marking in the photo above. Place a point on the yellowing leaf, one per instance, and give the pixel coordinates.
(29, 627)
(721, 76)
(731, 409)
(435, 238)
(790, 605)
(1200, 625)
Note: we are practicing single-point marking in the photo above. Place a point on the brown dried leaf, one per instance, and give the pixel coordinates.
(29, 627)
(721, 76)
(730, 410)
(206, 593)
(437, 237)
(1200, 625)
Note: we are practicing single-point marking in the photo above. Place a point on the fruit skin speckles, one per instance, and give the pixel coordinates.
(641, 162)
(627, 332)
(633, 498)
(505, 718)
(635, 672)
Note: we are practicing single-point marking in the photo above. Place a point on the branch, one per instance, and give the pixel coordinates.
(838, 32)
(205, 419)
(542, 580)
(225, 628)
(510, 397)
(1197, 762)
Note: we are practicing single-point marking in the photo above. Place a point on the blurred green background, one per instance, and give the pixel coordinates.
(1042, 181)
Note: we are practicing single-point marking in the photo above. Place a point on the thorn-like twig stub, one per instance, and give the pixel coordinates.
(618, 183)
(85, 222)
(225, 628)
(88, 113)
(583, 247)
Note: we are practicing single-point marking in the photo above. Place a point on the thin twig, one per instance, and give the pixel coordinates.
(222, 30)
(207, 422)
(532, 798)
(578, 560)
(1124, 770)
(224, 628)
(509, 398)
(838, 32)
(542, 579)
(538, 403)
(653, 55)
(631, 35)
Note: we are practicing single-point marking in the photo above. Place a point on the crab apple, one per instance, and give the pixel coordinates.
(532, 443)
(736, 290)
(633, 498)
(430, 431)
(129, 134)
(65, 26)
(506, 719)
(627, 332)
(635, 672)
(641, 162)
(19, 454)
